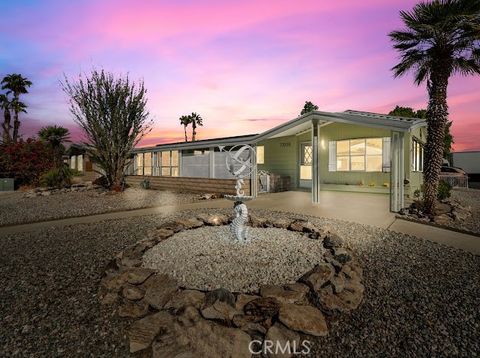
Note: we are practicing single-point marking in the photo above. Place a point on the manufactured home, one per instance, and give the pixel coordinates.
(343, 151)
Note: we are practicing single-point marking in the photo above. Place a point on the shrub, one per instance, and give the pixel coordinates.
(57, 177)
(102, 181)
(25, 161)
(444, 190)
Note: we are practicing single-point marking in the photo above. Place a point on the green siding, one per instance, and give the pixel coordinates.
(282, 157)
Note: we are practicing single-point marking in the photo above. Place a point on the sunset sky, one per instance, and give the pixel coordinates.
(245, 66)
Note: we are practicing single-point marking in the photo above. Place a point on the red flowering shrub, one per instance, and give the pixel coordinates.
(25, 160)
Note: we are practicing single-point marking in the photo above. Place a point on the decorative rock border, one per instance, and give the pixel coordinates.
(174, 320)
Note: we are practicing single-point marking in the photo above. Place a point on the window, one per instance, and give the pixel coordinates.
(343, 155)
(306, 161)
(417, 155)
(366, 154)
(374, 161)
(147, 164)
(139, 164)
(167, 163)
(260, 154)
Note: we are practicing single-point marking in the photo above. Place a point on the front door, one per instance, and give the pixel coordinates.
(305, 167)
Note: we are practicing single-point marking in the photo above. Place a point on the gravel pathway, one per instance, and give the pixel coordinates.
(421, 298)
(209, 258)
(15, 208)
(471, 198)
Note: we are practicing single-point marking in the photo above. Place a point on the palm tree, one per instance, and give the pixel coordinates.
(308, 107)
(17, 107)
(196, 120)
(6, 105)
(185, 121)
(55, 136)
(441, 39)
(16, 84)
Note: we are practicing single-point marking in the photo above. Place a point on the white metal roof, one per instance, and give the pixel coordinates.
(302, 123)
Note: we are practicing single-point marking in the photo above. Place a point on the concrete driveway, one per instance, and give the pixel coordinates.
(363, 208)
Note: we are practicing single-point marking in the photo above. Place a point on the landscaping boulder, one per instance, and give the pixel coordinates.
(284, 294)
(306, 319)
(133, 309)
(186, 298)
(281, 336)
(318, 276)
(142, 333)
(262, 308)
(159, 289)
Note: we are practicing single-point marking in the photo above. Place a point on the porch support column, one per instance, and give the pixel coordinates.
(253, 176)
(397, 173)
(315, 161)
(211, 162)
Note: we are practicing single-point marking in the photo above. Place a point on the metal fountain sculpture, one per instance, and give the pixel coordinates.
(239, 163)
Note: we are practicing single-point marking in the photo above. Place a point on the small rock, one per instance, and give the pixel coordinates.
(256, 221)
(220, 311)
(341, 255)
(243, 299)
(281, 336)
(160, 234)
(133, 309)
(186, 298)
(281, 223)
(159, 289)
(219, 305)
(190, 223)
(332, 240)
(220, 294)
(132, 293)
(302, 226)
(442, 219)
(442, 208)
(306, 319)
(262, 308)
(174, 226)
(338, 283)
(138, 275)
(142, 333)
(282, 294)
(318, 276)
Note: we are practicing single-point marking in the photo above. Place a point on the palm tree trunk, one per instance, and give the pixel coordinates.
(6, 126)
(185, 130)
(16, 126)
(194, 132)
(437, 116)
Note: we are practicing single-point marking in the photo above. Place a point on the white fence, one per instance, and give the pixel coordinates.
(455, 181)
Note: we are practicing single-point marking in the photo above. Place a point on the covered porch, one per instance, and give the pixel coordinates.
(349, 151)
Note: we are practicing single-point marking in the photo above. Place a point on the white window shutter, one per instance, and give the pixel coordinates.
(386, 155)
(332, 156)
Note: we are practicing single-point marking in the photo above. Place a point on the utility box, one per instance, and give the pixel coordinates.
(7, 184)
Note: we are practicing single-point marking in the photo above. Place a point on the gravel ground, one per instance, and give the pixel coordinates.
(421, 298)
(17, 209)
(210, 258)
(471, 198)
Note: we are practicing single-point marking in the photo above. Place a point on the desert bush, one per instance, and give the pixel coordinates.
(25, 161)
(57, 177)
(444, 190)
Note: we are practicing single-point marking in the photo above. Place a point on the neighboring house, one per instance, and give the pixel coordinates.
(469, 161)
(78, 159)
(347, 151)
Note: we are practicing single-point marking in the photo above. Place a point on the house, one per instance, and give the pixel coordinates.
(347, 151)
(469, 161)
(78, 159)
